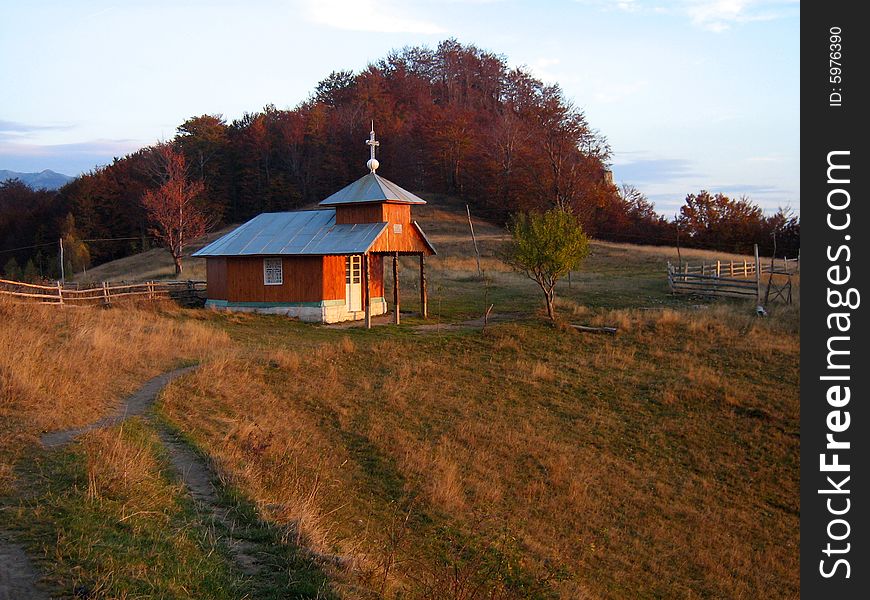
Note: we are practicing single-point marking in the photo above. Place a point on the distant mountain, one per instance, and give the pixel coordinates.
(47, 179)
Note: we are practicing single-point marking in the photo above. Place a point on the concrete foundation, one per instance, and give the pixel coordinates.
(327, 311)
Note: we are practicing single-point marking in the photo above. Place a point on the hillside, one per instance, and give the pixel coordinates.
(446, 224)
(44, 180)
(429, 460)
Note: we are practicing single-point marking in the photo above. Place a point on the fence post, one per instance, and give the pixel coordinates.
(718, 268)
(474, 239)
(757, 276)
(106, 294)
(60, 292)
(731, 269)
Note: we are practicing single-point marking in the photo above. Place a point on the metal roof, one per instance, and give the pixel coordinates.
(372, 188)
(305, 232)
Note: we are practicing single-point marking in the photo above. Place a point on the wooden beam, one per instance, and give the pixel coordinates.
(474, 240)
(757, 276)
(424, 298)
(609, 330)
(397, 318)
(368, 291)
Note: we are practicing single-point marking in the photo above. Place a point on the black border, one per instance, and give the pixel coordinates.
(826, 128)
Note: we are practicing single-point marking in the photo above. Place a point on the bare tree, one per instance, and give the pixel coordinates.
(175, 216)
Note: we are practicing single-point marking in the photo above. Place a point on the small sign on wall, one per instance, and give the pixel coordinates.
(397, 228)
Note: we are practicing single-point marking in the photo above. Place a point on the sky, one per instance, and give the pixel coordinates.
(690, 94)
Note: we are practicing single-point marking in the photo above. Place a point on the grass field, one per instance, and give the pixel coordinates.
(429, 460)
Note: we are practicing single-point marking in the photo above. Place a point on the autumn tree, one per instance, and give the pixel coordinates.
(546, 246)
(172, 208)
(717, 221)
(454, 119)
(76, 254)
(204, 141)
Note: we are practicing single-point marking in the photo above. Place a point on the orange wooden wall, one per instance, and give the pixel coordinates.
(216, 278)
(306, 279)
(333, 278)
(359, 213)
(409, 240)
(303, 280)
(376, 268)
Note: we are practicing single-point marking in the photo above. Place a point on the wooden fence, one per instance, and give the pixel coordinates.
(736, 278)
(187, 292)
(738, 268)
(683, 282)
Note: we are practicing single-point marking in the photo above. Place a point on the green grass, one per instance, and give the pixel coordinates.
(146, 538)
(285, 569)
(142, 540)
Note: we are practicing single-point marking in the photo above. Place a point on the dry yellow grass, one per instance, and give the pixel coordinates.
(654, 463)
(65, 367)
(127, 472)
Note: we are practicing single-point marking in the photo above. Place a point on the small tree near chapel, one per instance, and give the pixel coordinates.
(546, 246)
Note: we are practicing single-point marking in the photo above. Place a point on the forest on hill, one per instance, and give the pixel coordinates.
(454, 120)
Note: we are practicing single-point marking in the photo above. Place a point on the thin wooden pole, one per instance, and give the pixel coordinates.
(60, 292)
(757, 275)
(474, 240)
(368, 298)
(60, 243)
(718, 268)
(397, 318)
(424, 299)
(679, 255)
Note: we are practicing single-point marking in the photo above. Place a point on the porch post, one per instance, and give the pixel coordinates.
(397, 319)
(424, 300)
(368, 291)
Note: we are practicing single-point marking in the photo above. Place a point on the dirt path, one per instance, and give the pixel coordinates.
(18, 576)
(198, 477)
(135, 404)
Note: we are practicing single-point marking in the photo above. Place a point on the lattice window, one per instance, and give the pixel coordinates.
(273, 271)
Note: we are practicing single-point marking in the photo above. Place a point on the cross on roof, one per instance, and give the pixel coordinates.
(372, 164)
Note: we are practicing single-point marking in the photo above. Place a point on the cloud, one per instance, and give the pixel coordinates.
(655, 170)
(713, 15)
(18, 130)
(769, 158)
(72, 158)
(366, 15)
(612, 92)
(719, 15)
(733, 190)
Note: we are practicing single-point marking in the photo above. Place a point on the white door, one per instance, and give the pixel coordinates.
(353, 283)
